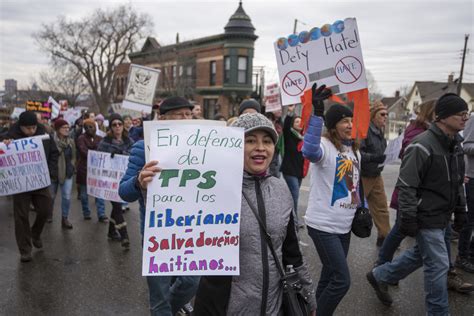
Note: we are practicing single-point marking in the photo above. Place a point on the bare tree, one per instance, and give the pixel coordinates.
(374, 92)
(65, 80)
(95, 45)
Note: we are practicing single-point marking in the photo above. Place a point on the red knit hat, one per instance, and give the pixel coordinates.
(59, 123)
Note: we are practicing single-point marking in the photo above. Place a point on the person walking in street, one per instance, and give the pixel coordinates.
(333, 197)
(372, 150)
(258, 289)
(66, 162)
(430, 188)
(167, 294)
(88, 141)
(117, 142)
(26, 236)
(292, 165)
(391, 243)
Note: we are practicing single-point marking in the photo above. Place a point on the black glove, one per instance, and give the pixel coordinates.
(408, 227)
(378, 158)
(319, 95)
(460, 219)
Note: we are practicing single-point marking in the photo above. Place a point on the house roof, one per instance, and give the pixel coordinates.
(433, 90)
(389, 101)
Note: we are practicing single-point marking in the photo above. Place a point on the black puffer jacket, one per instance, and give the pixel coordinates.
(293, 161)
(371, 148)
(108, 145)
(431, 179)
(50, 149)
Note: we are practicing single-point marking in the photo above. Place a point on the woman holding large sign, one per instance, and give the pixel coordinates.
(117, 142)
(266, 205)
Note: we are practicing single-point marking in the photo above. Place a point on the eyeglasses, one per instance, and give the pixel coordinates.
(463, 115)
(383, 114)
(117, 124)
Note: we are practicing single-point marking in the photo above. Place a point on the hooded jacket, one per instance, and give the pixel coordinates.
(50, 149)
(258, 289)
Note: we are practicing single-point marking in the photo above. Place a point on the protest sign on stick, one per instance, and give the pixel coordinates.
(141, 87)
(329, 55)
(42, 107)
(23, 166)
(392, 151)
(104, 174)
(193, 205)
(272, 98)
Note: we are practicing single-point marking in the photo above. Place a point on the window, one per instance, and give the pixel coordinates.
(180, 71)
(173, 73)
(226, 69)
(212, 78)
(189, 71)
(242, 70)
(210, 108)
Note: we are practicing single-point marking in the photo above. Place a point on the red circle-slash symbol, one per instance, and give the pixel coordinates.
(348, 69)
(294, 83)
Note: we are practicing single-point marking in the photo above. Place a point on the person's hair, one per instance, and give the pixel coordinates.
(376, 107)
(331, 134)
(126, 117)
(425, 113)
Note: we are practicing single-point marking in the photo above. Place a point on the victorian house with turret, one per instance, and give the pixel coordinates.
(214, 71)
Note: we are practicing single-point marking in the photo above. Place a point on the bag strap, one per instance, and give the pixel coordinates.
(267, 236)
(361, 187)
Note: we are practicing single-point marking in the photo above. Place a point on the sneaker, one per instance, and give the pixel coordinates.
(87, 217)
(26, 257)
(381, 289)
(65, 223)
(115, 236)
(456, 283)
(464, 264)
(37, 243)
(126, 243)
(103, 219)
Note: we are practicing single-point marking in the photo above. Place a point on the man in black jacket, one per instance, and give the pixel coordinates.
(28, 126)
(430, 189)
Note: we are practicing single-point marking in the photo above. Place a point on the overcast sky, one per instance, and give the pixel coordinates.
(402, 41)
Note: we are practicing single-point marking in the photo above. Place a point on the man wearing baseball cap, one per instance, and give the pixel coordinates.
(166, 297)
(430, 189)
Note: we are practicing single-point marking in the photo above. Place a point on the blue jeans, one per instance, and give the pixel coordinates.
(66, 189)
(335, 279)
(390, 245)
(466, 245)
(99, 203)
(167, 297)
(431, 253)
(294, 184)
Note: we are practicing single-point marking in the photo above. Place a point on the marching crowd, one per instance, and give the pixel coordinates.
(433, 200)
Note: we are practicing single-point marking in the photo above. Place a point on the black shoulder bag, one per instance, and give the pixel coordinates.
(294, 302)
(362, 222)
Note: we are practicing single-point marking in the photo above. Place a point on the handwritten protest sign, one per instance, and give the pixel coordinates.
(104, 174)
(141, 87)
(23, 166)
(71, 115)
(193, 205)
(117, 108)
(272, 98)
(17, 111)
(329, 55)
(42, 107)
(393, 150)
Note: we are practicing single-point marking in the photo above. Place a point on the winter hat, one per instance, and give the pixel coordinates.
(60, 123)
(99, 117)
(447, 105)
(256, 121)
(376, 107)
(114, 117)
(249, 104)
(174, 103)
(88, 122)
(336, 113)
(28, 118)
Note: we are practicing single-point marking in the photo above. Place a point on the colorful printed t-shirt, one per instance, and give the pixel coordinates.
(334, 191)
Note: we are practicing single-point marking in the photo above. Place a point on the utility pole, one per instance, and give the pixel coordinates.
(294, 26)
(466, 37)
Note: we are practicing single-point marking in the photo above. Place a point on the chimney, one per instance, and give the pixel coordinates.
(397, 94)
(177, 38)
(450, 78)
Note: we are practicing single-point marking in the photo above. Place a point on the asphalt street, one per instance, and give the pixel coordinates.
(80, 272)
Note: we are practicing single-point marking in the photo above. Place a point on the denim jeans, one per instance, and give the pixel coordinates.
(99, 203)
(335, 278)
(466, 245)
(294, 184)
(390, 245)
(431, 253)
(167, 297)
(66, 189)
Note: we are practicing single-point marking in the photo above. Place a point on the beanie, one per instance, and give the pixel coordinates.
(174, 103)
(114, 117)
(59, 123)
(88, 122)
(449, 104)
(336, 113)
(99, 117)
(256, 121)
(249, 104)
(376, 107)
(28, 118)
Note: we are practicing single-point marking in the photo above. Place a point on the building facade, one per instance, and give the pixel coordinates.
(214, 71)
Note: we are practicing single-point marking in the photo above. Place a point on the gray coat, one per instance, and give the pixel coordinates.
(246, 294)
